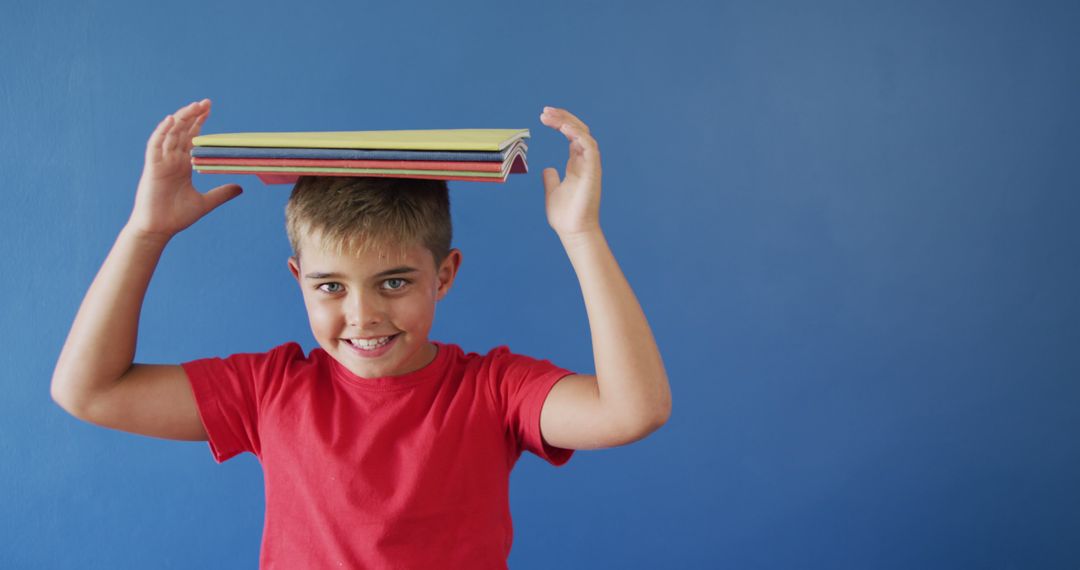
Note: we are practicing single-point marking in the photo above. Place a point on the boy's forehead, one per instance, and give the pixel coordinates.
(362, 255)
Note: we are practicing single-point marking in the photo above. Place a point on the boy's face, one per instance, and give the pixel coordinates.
(372, 312)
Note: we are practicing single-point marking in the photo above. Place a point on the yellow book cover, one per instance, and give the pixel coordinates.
(440, 139)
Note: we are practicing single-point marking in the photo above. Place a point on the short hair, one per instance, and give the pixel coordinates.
(354, 214)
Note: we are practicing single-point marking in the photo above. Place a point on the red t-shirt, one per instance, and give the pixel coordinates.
(407, 471)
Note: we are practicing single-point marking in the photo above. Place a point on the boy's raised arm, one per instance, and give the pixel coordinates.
(629, 396)
(90, 380)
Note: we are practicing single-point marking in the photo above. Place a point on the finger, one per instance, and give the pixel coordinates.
(577, 121)
(584, 152)
(548, 118)
(580, 142)
(193, 131)
(187, 116)
(153, 146)
(200, 119)
(570, 128)
(565, 115)
(188, 111)
(221, 194)
(171, 136)
(184, 118)
(551, 180)
(554, 117)
(584, 158)
(183, 109)
(201, 109)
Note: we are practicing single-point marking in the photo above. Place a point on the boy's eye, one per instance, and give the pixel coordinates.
(320, 287)
(395, 283)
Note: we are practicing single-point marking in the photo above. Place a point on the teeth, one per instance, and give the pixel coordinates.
(369, 344)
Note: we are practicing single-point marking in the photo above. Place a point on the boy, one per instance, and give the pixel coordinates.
(381, 448)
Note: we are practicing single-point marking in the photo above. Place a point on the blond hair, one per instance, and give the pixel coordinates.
(355, 214)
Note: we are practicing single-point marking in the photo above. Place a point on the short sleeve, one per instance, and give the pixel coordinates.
(228, 392)
(521, 385)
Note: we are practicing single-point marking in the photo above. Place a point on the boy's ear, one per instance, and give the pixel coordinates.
(294, 267)
(447, 272)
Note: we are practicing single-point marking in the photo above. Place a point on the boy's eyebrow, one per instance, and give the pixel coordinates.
(394, 271)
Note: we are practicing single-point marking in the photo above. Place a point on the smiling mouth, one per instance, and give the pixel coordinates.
(372, 343)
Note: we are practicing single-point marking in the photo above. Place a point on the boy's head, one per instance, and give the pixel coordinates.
(372, 257)
(352, 214)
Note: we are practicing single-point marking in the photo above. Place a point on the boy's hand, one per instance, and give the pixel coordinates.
(166, 202)
(573, 205)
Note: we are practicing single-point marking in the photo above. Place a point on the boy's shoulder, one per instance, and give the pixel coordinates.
(498, 352)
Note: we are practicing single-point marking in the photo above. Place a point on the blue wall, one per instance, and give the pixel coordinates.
(852, 225)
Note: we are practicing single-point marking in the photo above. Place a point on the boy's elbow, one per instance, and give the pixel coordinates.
(663, 413)
(662, 417)
(63, 398)
(659, 417)
(55, 392)
(65, 404)
(66, 393)
(649, 428)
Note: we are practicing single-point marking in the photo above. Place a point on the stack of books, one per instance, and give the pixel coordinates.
(480, 155)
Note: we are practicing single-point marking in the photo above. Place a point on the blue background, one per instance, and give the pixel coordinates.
(852, 225)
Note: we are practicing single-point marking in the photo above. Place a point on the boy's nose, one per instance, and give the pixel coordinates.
(363, 310)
